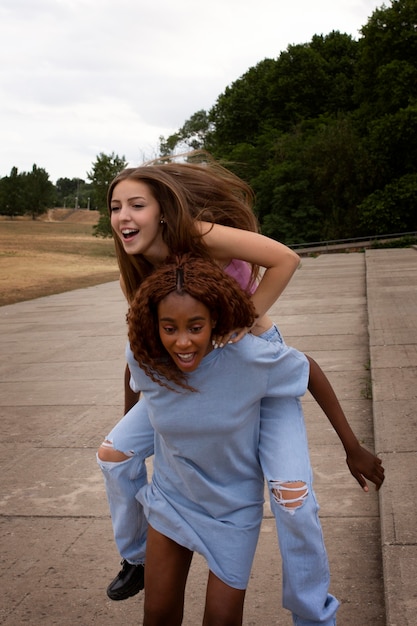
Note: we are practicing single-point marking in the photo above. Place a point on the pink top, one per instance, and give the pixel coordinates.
(241, 272)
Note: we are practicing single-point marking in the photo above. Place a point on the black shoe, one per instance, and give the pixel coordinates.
(128, 582)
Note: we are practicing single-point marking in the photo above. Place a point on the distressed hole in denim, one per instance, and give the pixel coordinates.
(107, 452)
(289, 494)
(107, 444)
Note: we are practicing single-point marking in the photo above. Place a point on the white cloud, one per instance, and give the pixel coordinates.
(79, 77)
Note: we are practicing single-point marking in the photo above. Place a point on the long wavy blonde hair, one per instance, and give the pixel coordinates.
(198, 189)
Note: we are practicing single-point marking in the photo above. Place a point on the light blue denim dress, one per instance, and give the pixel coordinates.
(207, 487)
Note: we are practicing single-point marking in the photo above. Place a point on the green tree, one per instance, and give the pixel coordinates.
(307, 80)
(72, 193)
(340, 52)
(325, 133)
(239, 112)
(386, 95)
(293, 217)
(299, 87)
(392, 209)
(311, 181)
(191, 135)
(11, 194)
(104, 169)
(339, 170)
(66, 190)
(386, 71)
(284, 198)
(392, 144)
(38, 192)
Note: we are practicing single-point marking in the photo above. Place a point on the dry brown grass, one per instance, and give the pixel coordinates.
(40, 258)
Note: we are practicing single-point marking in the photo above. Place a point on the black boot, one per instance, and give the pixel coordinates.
(128, 582)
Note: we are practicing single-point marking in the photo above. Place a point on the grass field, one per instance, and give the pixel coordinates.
(39, 258)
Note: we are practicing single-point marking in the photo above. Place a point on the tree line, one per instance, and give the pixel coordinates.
(326, 134)
(32, 193)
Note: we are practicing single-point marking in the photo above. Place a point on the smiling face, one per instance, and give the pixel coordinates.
(136, 219)
(185, 327)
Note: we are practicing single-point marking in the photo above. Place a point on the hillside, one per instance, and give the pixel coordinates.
(79, 216)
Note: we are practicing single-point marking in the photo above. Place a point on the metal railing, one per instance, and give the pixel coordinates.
(339, 244)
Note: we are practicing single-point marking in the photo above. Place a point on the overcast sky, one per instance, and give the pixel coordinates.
(80, 77)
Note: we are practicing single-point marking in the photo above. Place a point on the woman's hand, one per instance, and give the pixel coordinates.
(365, 465)
(259, 326)
(218, 341)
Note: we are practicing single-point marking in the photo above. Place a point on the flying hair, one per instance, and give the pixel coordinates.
(194, 188)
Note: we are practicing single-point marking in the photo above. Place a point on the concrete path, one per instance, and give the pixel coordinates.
(61, 391)
(392, 308)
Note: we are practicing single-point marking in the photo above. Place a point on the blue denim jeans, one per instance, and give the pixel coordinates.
(284, 457)
(134, 436)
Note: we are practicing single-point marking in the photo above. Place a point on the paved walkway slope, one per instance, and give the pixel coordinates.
(61, 391)
(392, 308)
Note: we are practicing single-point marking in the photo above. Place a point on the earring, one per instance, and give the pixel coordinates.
(161, 221)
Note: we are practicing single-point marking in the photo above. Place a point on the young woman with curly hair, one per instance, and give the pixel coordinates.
(203, 496)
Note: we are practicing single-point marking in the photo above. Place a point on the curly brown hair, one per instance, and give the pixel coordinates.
(203, 280)
(199, 189)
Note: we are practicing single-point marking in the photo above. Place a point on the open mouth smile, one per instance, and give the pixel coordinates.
(186, 358)
(186, 361)
(128, 233)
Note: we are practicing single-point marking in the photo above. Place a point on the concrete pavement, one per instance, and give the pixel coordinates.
(392, 309)
(61, 391)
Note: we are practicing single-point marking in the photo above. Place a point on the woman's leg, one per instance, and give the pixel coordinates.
(224, 604)
(285, 461)
(167, 567)
(121, 458)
